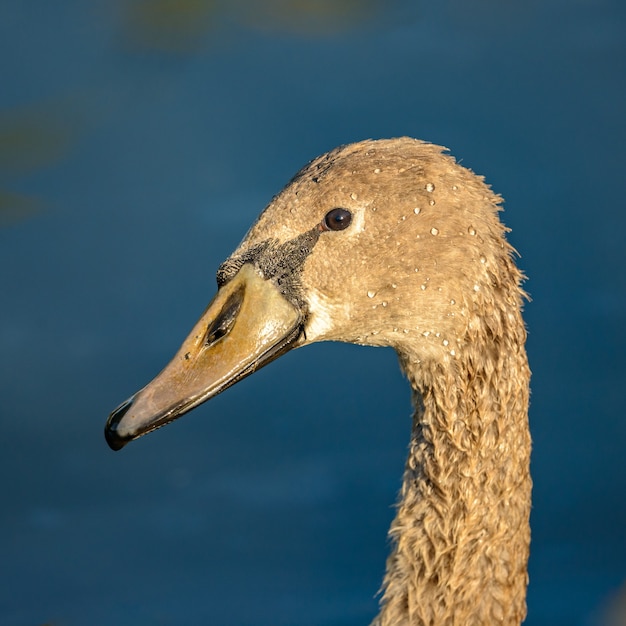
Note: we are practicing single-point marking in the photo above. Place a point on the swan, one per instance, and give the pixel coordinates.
(391, 243)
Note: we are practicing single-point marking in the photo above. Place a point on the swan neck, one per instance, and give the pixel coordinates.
(461, 535)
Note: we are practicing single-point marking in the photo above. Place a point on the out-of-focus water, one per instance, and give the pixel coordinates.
(138, 141)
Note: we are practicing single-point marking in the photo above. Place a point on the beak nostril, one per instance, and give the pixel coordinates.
(224, 321)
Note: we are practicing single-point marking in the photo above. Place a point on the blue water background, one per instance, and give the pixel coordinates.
(138, 141)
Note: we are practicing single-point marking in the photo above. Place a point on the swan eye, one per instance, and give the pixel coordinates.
(337, 219)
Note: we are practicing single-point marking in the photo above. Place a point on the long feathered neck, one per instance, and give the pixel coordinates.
(461, 535)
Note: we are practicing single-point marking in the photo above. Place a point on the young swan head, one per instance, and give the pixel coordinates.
(385, 243)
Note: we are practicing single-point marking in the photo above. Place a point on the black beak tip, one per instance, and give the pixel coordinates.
(116, 440)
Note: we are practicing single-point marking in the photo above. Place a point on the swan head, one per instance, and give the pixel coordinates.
(383, 243)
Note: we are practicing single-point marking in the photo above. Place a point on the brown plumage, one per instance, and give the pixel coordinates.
(423, 266)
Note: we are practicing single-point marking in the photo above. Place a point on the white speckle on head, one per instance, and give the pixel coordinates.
(416, 210)
(445, 342)
(483, 259)
(394, 286)
(426, 333)
(476, 287)
(432, 203)
(454, 187)
(430, 187)
(471, 231)
(452, 352)
(417, 269)
(384, 303)
(452, 301)
(371, 293)
(377, 170)
(423, 287)
(434, 231)
(354, 196)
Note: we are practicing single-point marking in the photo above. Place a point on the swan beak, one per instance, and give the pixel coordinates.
(248, 324)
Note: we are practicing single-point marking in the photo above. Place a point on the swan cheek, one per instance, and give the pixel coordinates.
(323, 317)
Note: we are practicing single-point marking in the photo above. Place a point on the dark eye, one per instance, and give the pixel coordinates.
(337, 219)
